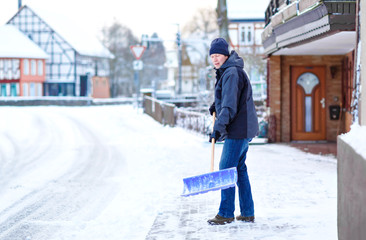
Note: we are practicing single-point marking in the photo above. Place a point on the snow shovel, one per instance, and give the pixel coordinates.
(212, 181)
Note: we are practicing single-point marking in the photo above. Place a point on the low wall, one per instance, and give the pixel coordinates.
(61, 101)
(351, 193)
(169, 114)
(160, 111)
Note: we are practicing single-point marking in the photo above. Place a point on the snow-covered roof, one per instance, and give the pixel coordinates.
(246, 9)
(83, 42)
(14, 44)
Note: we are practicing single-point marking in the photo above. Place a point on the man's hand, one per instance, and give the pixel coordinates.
(212, 109)
(216, 135)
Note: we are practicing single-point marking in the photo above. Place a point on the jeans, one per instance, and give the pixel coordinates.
(234, 155)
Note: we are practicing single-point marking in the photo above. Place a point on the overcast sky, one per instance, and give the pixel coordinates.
(141, 16)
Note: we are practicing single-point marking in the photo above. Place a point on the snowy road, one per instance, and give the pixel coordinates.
(54, 172)
(112, 172)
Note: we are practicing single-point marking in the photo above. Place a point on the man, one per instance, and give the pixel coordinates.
(237, 124)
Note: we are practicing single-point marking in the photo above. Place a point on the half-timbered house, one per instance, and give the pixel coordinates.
(74, 58)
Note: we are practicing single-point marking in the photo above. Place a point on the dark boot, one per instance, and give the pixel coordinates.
(245, 219)
(218, 220)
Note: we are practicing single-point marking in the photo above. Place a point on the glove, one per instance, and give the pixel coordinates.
(216, 135)
(212, 109)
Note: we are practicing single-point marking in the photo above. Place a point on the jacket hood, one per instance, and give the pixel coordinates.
(233, 61)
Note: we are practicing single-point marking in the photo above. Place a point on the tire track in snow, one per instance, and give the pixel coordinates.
(78, 195)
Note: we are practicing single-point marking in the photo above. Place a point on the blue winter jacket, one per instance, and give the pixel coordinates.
(235, 110)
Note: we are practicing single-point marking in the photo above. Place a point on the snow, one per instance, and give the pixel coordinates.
(112, 172)
(82, 41)
(356, 138)
(14, 44)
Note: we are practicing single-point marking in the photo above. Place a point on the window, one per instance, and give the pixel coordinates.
(2, 90)
(13, 90)
(39, 89)
(249, 35)
(7, 69)
(242, 39)
(33, 67)
(15, 69)
(32, 89)
(26, 67)
(40, 67)
(25, 89)
(2, 69)
(246, 34)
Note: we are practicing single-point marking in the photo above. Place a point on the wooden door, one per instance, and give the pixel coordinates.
(308, 103)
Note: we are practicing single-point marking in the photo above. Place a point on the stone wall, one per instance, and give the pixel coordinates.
(351, 193)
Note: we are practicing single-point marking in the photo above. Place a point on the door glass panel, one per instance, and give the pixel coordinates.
(308, 81)
(308, 114)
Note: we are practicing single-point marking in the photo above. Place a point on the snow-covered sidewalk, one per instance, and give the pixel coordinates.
(294, 192)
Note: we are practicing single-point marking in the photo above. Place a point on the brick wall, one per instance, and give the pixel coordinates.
(274, 91)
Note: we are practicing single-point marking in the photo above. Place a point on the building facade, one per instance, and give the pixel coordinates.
(351, 153)
(74, 59)
(245, 39)
(309, 45)
(22, 64)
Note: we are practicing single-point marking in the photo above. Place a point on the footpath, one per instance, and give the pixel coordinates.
(295, 196)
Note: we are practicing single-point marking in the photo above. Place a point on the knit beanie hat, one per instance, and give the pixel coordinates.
(219, 45)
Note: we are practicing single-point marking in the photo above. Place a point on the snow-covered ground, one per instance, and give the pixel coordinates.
(110, 172)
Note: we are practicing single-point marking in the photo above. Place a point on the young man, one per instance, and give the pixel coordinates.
(237, 124)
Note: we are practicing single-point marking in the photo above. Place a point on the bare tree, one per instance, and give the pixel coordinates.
(202, 26)
(204, 22)
(197, 34)
(222, 19)
(118, 39)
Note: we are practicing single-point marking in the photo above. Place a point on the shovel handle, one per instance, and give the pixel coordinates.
(213, 145)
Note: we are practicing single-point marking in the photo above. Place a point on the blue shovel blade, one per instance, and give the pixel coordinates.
(210, 182)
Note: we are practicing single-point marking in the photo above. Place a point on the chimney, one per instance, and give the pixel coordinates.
(19, 4)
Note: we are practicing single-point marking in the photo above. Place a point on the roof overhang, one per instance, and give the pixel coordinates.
(323, 30)
(241, 20)
(336, 44)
